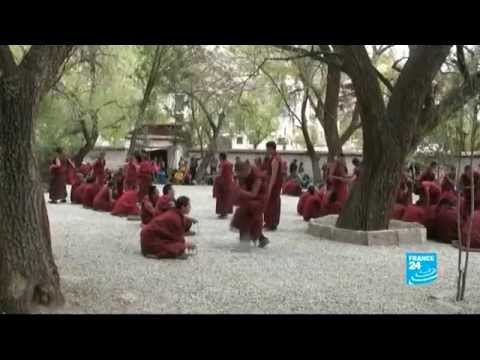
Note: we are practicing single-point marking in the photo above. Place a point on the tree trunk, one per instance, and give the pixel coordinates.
(206, 160)
(330, 117)
(372, 197)
(28, 274)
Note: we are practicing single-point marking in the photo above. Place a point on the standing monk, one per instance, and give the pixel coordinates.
(99, 169)
(130, 171)
(58, 180)
(250, 198)
(144, 176)
(223, 187)
(273, 201)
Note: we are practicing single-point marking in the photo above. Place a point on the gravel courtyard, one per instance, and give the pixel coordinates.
(103, 271)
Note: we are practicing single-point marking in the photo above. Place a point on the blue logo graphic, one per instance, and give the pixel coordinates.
(421, 268)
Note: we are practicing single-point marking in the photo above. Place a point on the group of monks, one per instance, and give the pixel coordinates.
(444, 205)
(128, 192)
(254, 190)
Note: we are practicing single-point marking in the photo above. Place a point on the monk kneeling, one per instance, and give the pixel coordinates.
(163, 237)
(292, 188)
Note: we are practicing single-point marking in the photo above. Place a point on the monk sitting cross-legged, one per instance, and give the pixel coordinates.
(104, 200)
(303, 199)
(163, 237)
(313, 206)
(91, 190)
(79, 181)
(292, 187)
(148, 205)
(251, 201)
(167, 202)
(127, 204)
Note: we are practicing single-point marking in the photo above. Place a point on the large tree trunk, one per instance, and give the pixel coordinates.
(28, 274)
(330, 117)
(373, 195)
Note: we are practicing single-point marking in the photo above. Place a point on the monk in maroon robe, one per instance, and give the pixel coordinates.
(167, 202)
(127, 204)
(223, 187)
(274, 187)
(292, 188)
(313, 208)
(304, 197)
(338, 176)
(99, 169)
(475, 235)
(79, 192)
(429, 193)
(79, 180)
(104, 200)
(446, 221)
(448, 181)
(91, 190)
(148, 205)
(429, 173)
(71, 171)
(250, 199)
(85, 169)
(58, 178)
(118, 184)
(144, 176)
(164, 236)
(130, 171)
(466, 182)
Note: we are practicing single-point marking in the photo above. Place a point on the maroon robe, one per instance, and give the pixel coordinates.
(163, 237)
(73, 189)
(148, 209)
(71, 172)
(58, 180)
(475, 238)
(313, 206)
(446, 223)
(274, 204)
(292, 188)
(99, 171)
(78, 193)
(223, 188)
(398, 211)
(91, 190)
(85, 169)
(103, 200)
(164, 203)
(248, 215)
(144, 178)
(434, 192)
(130, 175)
(416, 214)
(127, 204)
(467, 194)
(303, 199)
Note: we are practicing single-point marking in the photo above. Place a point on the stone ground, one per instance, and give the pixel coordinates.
(103, 271)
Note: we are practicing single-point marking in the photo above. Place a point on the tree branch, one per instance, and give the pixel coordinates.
(461, 64)
(354, 125)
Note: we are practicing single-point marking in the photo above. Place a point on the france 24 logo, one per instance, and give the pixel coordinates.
(421, 268)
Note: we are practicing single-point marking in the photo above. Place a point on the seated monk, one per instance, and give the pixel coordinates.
(104, 199)
(475, 237)
(79, 192)
(398, 211)
(163, 237)
(429, 193)
(446, 221)
(250, 197)
(313, 205)
(167, 202)
(127, 204)
(292, 187)
(91, 190)
(415, 214)
(148, 205)
(303, 198)
(79, 180)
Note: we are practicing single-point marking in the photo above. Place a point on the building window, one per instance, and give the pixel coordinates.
(239, 140)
